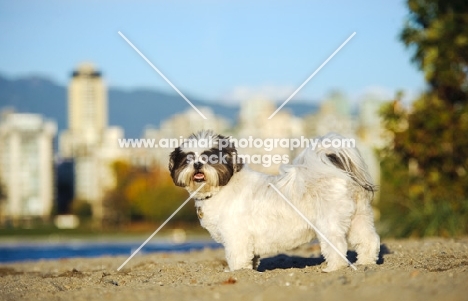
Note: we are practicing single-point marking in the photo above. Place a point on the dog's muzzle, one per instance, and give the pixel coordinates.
(198, 176)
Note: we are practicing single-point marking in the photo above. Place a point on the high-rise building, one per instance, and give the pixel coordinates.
(87, 112)
(89, 141)
(26, 165)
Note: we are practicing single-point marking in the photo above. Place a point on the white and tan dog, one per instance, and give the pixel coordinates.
(330, 186)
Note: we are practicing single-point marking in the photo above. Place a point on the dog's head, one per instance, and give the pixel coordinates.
(204, 157)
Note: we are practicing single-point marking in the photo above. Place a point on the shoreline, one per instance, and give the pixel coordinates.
(416, 269)
(27, 251)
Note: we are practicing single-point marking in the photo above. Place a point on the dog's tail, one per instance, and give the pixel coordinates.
(342, 153)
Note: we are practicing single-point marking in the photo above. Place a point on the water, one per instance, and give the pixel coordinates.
(36, 251)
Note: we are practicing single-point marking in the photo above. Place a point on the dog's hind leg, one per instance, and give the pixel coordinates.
(336, 247)
(333, 221)
(255, 262)
(362, 235)
(332, 257)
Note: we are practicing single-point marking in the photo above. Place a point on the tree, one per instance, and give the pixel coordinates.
(2, 191)
(3, 195)
(437, 30)
(144, 194)
(116, 207)
(426, 164)
(425, 182)
(82, 209)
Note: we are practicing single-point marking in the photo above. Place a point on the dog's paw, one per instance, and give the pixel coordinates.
(367, 261)
(328, 269)
(333, 267)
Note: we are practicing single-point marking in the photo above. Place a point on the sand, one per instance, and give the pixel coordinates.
(429, 269)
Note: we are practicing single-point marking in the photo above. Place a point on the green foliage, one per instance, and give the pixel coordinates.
(437, 30)
(3, 194)
(142, 194)
(82, 209)
(425, 181)
(425, 166)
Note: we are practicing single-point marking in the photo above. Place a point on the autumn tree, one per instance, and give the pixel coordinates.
(425, 190)
(437, 32)
(2, 191)
(144, 194)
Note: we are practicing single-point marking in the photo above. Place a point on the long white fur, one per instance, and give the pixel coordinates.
(250, 219)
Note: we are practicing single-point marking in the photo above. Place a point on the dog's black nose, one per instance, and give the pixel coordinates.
(197, 165)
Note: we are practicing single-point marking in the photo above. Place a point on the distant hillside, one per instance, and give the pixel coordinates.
(132, 110)
(35, 95)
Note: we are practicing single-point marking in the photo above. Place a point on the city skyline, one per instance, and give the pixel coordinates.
(139, 109)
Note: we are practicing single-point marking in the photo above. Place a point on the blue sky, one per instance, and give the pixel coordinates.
(217, 50)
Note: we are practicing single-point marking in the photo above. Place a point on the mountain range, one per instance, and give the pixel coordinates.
(132, 110)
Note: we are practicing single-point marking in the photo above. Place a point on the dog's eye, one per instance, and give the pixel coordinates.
(209, 153)
(205, 153)
(190, 157)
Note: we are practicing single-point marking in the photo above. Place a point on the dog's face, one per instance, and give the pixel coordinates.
(204, 157)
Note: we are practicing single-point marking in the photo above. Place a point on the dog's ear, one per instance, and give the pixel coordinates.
(172, 158)
(236, 161)
(174, 164)
(239, 164)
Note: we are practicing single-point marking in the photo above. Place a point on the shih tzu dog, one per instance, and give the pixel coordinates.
(330, 186)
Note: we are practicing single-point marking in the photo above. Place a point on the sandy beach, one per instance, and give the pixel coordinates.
(429, 269)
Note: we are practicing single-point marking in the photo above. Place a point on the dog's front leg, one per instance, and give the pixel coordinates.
(238, 255)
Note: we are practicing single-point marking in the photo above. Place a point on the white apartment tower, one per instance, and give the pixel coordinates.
(88, 140)
(87, 112)
(26, 165)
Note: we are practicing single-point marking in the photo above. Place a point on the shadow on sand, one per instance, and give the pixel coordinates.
(283, 261)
